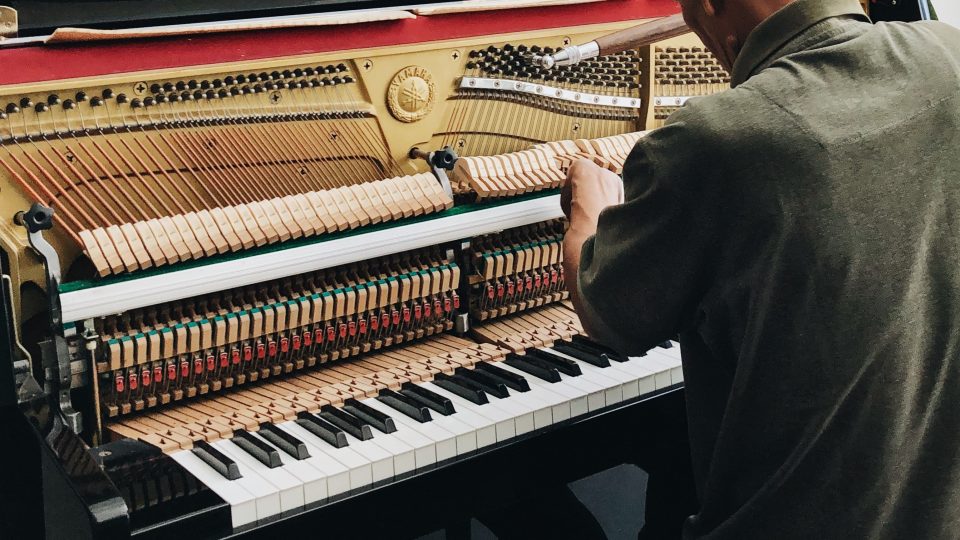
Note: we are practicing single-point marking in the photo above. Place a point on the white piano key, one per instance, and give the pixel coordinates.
(444, 441)
(381, 462)
(613, 391)
(243, 504)
(361, 470)
(673, 353)
(564, 395)
(290, 489)
(484, 433)
(533, 403)
(267, 495)
(336, 473)
(662, 365)
(424, 449)
(404, 459)
(501, 419)
(314, 481)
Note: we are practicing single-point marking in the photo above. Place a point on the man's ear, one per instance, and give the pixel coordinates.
(711, 7)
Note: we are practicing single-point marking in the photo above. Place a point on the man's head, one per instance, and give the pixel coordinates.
(723, 25)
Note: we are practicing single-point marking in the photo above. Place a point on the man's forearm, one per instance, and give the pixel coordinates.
(573, 242)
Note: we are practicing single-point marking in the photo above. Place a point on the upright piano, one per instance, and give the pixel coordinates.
(295, 269)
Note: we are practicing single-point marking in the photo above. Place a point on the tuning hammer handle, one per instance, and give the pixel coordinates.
(644, 34)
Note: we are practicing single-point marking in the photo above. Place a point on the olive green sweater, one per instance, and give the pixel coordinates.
(801, 234)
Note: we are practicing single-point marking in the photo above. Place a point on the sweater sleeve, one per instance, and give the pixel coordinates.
(644, 272)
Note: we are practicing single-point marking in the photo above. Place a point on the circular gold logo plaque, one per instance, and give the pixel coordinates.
(411, 94)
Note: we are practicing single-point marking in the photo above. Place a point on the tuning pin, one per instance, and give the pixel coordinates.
(316, 83)
(136, 103)
(41, 107)
(156, 88)
(107, 93)
(81, 97)
(198, 95)
(341, 68)
(211, 94)
(181, 86)
(96, 102)
(26, 103)
(348, 79)
(298, 72)
(275, 75)
(122, 99)
(149, 101)
(246, 90)
(193, 85)
(217, 83)
(186, 96)
(174, 97)
(229, 80)
(257, 88)
(3, 115)
(241, 79)
(69, 105)
(204, 85)
(12, 108)
(162, 98)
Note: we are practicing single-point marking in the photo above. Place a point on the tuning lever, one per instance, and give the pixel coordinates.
(630, 38)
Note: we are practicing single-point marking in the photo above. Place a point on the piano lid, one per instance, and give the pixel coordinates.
(41, 18)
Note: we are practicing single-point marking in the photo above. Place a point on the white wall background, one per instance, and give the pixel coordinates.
(948, 11)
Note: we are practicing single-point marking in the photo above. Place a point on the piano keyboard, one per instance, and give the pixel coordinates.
(282, 467)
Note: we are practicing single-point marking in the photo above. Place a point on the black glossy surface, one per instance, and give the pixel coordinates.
(284, 441)
(261, 451)
(39, 17)
(323, 429)
(370, 415)
(509, 378)
(531, 366)
(405, 405)
(428, 398)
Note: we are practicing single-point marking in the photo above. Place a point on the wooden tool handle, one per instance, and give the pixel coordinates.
(644, 34)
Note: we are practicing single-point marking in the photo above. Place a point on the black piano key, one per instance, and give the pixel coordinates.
(599, 360)
(588, 348)
(488, 382)
(586, 345)
(406, 405)
(563, 365)
(264, 453)
(462, 387)
(538, 370)
(509, 378)
(284, 441)
(323, 429)
(217, 460)
(370, 415)
(347, 422)
(429, 398)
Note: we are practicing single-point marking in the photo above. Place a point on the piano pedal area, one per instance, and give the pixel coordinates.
(263, 402)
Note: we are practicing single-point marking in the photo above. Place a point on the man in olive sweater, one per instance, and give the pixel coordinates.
(801, 234)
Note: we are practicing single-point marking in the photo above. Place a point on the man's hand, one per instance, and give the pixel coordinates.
(589, 189)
